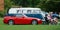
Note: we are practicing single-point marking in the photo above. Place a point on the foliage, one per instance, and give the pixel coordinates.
(46, 5)
(1, 13)
(7, 4)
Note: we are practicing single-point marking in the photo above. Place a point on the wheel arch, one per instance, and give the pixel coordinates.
(35, 20)
(10, 19)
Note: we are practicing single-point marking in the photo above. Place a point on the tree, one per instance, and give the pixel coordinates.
(7, 4)
(46, 5)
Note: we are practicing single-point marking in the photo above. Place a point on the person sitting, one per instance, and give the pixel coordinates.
(55, 17)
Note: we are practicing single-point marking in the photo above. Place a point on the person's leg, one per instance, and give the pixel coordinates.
(47, 22)
(51, 21)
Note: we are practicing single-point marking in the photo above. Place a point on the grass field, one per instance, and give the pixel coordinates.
(27, 27)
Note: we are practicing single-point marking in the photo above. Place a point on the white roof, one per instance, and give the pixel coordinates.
(25, 8)
(14, 10)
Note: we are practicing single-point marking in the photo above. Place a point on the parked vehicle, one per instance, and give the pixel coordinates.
(21, 19)
(31, 12)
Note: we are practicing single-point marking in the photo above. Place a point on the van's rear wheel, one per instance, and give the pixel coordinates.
(34, 22)
(10, 22)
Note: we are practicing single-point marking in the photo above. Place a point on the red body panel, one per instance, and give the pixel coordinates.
(21, 20)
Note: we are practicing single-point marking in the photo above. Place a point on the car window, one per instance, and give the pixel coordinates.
(19, 11)
(19, 15)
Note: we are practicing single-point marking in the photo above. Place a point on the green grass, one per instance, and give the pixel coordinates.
(27, 27)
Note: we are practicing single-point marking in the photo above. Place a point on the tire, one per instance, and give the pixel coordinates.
(34, 22)
(10, 22)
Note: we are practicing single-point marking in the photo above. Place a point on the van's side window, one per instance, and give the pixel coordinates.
(19, 11)
(29, 11)
(24, 11)
(36, 11)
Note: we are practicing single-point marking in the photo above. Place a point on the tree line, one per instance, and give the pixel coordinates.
(45, 5)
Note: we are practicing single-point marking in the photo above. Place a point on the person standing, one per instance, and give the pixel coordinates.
(46, 19)
(49, 17)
